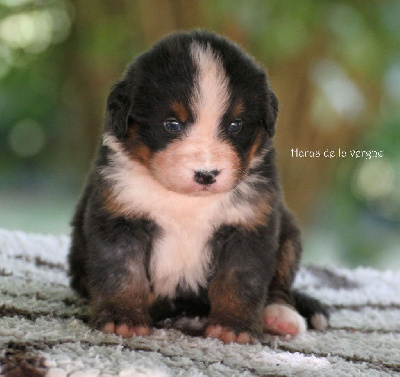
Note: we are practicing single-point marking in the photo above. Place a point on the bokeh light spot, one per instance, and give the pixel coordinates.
(342, 93)
(26, 138)
(375, 179)
(35, 31)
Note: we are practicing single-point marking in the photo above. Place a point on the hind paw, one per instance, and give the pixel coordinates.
(283, 320)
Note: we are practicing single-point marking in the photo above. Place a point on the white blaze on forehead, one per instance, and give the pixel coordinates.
(211, 95)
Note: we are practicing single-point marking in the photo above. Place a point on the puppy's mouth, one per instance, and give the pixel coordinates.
(200, 190)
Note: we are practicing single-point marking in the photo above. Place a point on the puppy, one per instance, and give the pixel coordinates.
(183, 210)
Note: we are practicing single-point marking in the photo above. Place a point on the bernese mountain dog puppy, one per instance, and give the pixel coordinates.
(183, 209)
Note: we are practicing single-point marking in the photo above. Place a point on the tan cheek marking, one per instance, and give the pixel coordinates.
(249, 213)
(181, 111)
(238, 171)
(137, 150)
(254, 148)
(262, 209)
(112, 205)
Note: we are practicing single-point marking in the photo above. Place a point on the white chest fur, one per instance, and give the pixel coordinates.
(180, 255)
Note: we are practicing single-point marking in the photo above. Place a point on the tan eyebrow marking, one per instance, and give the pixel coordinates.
(238, 109)
(181, 111)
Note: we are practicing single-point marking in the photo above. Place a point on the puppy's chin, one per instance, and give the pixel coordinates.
(206, 190)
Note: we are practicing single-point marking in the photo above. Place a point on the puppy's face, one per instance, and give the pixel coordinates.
(195, 111)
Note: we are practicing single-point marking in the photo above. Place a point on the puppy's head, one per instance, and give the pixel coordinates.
(195, 111)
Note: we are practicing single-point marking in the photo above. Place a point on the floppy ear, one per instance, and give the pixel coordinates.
(119, 105)
(271, 115)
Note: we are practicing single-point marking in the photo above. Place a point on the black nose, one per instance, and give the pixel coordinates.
(205, 177)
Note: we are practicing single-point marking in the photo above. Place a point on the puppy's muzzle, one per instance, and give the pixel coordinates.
(205, 177)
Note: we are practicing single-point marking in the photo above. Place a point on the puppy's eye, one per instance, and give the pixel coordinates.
(172, 125)
(235, 126)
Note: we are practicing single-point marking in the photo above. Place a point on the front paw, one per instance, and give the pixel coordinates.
(122, 325)
(228, 335)
(125, 330)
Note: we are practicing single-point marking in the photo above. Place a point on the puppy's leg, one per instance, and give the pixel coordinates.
(280, 316)
(118, 285)
(238, 290)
